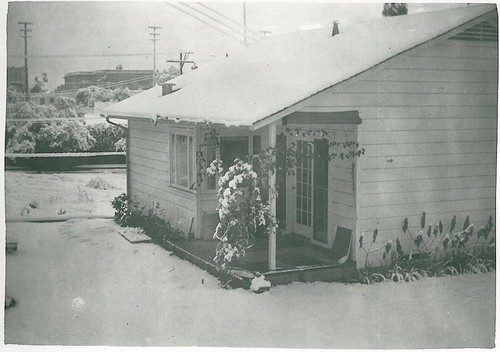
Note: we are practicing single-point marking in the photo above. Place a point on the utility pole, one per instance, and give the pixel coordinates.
(182, 60)
(154, 40)
(25, 35)
(245, 23)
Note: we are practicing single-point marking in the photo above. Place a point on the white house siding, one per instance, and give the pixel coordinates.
(430, 131)
(149, 173)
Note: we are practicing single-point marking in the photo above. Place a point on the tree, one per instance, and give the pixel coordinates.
(106, 136)
(395, 9)
(88, 96)
(14, 94)
(120, 94)
(167, 75)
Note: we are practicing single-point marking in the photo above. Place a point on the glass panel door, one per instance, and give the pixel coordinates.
(303, 198)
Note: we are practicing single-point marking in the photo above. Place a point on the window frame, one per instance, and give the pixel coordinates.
(190, 160)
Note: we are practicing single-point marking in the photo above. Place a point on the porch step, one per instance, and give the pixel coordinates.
(133, 235)
(326, 273)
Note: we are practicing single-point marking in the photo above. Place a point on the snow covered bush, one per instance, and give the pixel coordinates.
(242, 213)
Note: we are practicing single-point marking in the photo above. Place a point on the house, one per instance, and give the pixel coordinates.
(418, 92)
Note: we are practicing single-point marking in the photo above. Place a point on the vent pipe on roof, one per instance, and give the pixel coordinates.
(335, 30)
(167, 88)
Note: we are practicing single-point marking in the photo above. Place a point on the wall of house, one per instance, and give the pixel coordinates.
(430, 131)
(149, 172)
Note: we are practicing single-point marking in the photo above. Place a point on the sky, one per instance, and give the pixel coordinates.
(87, 35)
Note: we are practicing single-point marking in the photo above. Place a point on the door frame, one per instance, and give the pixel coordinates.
(296, 227)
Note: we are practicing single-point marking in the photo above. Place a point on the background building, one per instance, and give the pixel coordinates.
(132, 79)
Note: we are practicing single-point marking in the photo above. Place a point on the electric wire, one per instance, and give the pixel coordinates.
(204, 22)
(215, 20)
(230, 20)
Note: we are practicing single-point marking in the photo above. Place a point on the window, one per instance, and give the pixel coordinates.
(182, 161)
(230, 148)
(211, 180)
(52, 100)
(42, 101)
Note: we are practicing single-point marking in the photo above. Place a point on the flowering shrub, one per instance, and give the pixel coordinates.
(242, 213)
(434, 251)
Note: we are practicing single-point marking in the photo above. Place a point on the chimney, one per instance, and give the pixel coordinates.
(167, 88)
(335, 30)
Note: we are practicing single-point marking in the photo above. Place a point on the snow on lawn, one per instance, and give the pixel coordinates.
(56, 193)
(81, 283)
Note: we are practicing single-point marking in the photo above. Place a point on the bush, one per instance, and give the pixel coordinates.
(59, 136)
(122, 211)
(106, 137)
(159, 229)
(46, 137)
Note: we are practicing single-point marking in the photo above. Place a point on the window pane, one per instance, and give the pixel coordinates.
(181, 151)
(173, 161)
(232, 148)
(190, 162)
(210, 158)
(256, 145)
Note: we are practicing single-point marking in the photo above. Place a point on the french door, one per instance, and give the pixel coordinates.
(311, 185)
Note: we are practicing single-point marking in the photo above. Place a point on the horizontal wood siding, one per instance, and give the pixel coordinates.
(430, 132)
(149, 175)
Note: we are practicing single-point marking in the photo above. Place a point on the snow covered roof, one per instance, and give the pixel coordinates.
(280, 71)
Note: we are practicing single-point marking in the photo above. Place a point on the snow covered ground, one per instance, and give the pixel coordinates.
(80, 283)
(55, 193)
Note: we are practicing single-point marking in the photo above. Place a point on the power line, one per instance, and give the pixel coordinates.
(229, 19)
(216, 20)
(26, 36)
(204, 22)
(154, 40)
(88, 55)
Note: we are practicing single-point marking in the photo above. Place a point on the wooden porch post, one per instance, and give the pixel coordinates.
(272, 199)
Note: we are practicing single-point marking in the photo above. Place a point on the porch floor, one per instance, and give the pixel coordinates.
(296, 259)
